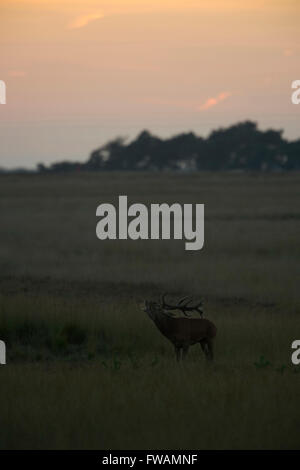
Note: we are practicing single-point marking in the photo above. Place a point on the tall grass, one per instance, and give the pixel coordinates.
(87, 369)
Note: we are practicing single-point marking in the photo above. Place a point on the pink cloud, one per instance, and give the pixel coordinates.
(17, 73)
(83, 20)
(210, 102)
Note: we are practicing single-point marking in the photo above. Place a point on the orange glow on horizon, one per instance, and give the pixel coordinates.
(73, 67)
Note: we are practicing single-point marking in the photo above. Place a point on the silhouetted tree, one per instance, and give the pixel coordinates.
(239, 147)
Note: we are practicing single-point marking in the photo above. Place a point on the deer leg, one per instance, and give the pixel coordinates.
(184, 351)
(210, 350)
(204, 346)
(178, 353)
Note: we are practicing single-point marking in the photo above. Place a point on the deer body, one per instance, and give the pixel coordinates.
(183, 332)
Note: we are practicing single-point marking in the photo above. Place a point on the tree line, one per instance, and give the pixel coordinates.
(239, 147)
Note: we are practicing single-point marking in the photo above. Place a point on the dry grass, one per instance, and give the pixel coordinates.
(87, 369)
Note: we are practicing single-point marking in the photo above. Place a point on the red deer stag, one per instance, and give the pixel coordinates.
(181, 331)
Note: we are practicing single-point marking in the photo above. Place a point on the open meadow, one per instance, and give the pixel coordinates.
(87, 369)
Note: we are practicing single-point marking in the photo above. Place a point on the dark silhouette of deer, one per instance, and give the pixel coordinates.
(183, 332)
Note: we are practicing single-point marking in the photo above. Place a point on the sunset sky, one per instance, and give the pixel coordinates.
(79, 72)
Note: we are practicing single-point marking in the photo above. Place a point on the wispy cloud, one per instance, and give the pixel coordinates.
(187, 104)
(288, 52)
(17, 73)
(210, 102)
(83, 20)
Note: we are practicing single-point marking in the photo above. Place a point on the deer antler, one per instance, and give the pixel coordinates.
(183, 305)
(165, 305)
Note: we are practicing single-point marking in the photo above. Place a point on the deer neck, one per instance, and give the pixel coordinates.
(161, 322)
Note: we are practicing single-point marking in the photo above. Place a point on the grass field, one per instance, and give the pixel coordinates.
(87, 369)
